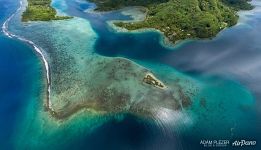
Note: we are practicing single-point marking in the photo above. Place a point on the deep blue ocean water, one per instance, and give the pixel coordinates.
(20, 71)
(20, 76)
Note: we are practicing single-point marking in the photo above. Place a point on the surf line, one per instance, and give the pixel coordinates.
(36, 48)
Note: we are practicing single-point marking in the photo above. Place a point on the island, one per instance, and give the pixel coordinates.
(41, 10)
(181, 19)
(152, 80)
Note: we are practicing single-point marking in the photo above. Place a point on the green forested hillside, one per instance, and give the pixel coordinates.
(181, 19)
(40, 10)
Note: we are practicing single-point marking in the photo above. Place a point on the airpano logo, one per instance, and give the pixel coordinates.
(243, 143)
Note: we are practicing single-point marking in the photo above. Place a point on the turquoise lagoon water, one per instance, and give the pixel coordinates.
(226, 70)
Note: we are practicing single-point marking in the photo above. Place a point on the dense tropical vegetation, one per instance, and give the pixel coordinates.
(181, 19)
(40, 10)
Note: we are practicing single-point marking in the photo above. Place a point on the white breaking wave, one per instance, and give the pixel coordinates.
(37, 49)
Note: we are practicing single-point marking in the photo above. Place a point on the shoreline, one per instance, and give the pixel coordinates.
(36, 48)
(164, 41)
